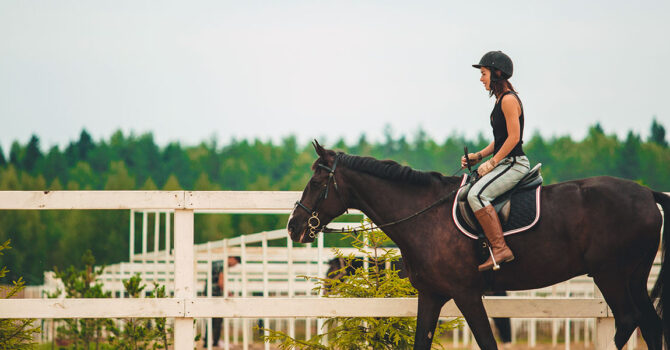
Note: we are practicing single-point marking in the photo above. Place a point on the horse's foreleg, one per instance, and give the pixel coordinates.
(472, 308)
(427, 315)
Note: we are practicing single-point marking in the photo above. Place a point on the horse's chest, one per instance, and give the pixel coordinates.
(422, 276)
(419, 282)
(441, 272)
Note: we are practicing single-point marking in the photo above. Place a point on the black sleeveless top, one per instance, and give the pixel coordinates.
(500, 127)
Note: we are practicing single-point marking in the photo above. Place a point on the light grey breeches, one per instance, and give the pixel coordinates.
(502, 178)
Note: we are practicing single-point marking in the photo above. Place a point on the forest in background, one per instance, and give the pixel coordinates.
(44, 239)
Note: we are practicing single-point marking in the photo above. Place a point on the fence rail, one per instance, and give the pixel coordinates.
(184, 306)
(291, 307)
(257, 201)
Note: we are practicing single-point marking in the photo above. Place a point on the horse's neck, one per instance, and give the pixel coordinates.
(385, 201)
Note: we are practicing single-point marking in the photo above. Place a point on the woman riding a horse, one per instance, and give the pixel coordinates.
(605, 227)
(509, 163)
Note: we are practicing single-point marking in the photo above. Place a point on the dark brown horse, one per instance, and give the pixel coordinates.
(606, 227)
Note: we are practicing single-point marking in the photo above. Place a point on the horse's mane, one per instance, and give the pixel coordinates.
(391, 170)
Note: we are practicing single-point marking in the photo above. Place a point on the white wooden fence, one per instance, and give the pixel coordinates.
(271, 271)
(184, 306)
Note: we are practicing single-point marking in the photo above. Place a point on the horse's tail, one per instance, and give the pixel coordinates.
(661, 292)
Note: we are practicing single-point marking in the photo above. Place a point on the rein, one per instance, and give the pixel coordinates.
(363, 228)
(314, 222)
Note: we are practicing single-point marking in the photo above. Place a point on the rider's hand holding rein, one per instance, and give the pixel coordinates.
(473, 157)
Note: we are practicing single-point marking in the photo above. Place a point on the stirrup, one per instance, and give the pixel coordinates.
(496, 267)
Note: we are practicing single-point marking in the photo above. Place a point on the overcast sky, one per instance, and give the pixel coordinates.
(191, 70)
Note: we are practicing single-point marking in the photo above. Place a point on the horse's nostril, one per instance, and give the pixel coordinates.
(291, 229)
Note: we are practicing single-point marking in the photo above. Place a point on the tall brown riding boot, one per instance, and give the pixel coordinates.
(488, 218)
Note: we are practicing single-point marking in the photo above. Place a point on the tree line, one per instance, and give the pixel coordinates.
(44, 239)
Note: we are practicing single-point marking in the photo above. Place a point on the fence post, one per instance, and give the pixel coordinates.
(604, 339)
(605, 333)
(184, 286)
(132, 236)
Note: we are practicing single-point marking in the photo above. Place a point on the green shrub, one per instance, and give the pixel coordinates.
(104, 333)
(15, 333)
(81, 283)
(140, 333)
(373, 282)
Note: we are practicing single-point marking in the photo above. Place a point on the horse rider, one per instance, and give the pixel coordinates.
(508, 164)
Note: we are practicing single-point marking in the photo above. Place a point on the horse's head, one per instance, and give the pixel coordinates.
(323, 199)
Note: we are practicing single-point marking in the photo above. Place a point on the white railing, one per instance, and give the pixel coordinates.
(272, 271)
(184, 306)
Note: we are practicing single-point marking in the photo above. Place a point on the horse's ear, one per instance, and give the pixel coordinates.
(319, 149)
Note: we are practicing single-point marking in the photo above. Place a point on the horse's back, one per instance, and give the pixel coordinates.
(606, 196)
(586, 225)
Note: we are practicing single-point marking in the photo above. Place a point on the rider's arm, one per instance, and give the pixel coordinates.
(512, 110)
(487, 151)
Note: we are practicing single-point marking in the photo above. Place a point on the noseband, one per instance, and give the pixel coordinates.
(314, 222)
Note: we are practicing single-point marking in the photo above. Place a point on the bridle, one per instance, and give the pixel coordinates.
(314, 222)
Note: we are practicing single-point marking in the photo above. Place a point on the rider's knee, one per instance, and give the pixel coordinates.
(475, 201)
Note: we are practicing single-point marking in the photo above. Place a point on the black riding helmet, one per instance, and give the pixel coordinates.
(499, 61)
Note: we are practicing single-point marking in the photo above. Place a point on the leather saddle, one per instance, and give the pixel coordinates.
(518, 208)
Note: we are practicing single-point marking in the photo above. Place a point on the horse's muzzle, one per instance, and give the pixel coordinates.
(299, 232)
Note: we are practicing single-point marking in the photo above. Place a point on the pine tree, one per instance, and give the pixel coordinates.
(658, 134)
(596, 129)
(172, 184)
(629, 157)
(119, 178)
(84, 145)
(55, 166)
(3, 161)
(15, 333)
(15, 154)
(32, 155)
